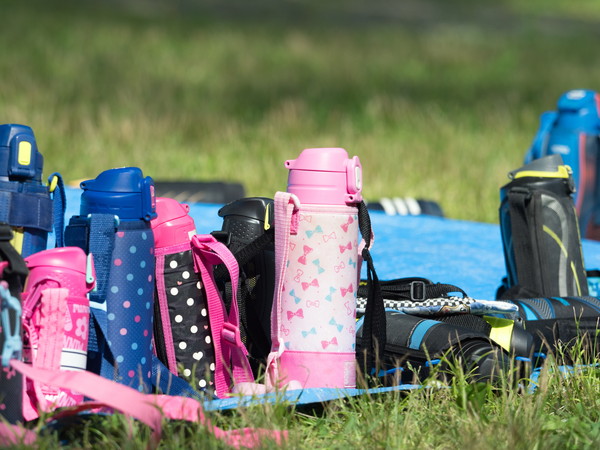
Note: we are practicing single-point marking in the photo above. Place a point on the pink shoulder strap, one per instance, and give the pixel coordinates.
(231, 356)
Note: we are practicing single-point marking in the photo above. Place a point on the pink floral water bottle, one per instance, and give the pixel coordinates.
(317, 270)
(56, 315)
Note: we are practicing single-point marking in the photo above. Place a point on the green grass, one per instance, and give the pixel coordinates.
(438, 105)
(438, 100)
(562, 413)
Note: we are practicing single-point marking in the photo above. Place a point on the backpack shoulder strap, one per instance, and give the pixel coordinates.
(540, 142)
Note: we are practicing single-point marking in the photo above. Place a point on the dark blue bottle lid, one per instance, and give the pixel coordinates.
(20, 159)
(123, 192)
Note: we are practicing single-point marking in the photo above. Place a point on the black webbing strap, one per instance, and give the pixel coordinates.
(415, 289)
(244, 254)
(16, 272)
(523, 249)
(374, 326)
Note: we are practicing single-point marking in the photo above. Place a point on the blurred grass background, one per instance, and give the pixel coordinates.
(439, 99)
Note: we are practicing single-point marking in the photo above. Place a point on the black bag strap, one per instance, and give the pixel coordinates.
(374, 334)
(17, 271)
(522, 245)
(245, 253)
(414, 289)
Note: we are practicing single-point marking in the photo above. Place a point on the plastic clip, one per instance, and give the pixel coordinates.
(417, 291)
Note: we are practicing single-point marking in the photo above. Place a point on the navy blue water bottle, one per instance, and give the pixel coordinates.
(114, 226)
(25, 202)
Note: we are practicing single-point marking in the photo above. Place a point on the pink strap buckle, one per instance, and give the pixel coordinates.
(231, 335)
(204, 238)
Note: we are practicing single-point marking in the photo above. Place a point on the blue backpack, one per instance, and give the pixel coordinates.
(573, 131)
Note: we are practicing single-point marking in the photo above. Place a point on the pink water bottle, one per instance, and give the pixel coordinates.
(182, 333)
(317, 270)
(56, 315)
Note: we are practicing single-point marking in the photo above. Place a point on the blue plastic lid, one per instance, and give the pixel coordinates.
(20, 159)
(579, 109)
(123, 192)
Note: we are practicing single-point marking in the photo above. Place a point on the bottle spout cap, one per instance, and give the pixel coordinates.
(124, 192)
(325, 176)
(172, 225)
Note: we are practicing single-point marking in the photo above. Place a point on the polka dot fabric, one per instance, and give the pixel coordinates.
(185, 327)
(129, 303)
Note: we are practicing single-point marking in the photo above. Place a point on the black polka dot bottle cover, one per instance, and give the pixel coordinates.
(182, 334)
(188, 317)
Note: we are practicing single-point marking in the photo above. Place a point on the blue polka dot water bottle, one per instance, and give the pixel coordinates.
(114, 226)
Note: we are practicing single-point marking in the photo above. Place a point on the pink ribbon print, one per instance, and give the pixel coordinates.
(307, 250)
(326, 344)
(292, 314)
(348, 246)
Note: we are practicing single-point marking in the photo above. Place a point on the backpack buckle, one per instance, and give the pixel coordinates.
(417, 291)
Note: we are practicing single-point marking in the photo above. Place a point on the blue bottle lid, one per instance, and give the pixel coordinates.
(123, 192)
(20, 159)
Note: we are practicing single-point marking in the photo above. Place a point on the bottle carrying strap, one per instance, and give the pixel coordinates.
(59, 205)
(25, 205)
(230, 353)
(148, 409)
(374, 324)
(415, 289)
(16, 271)
(522, 245)
(286, 207)
(101, 243)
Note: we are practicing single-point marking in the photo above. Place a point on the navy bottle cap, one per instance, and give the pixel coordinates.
(20, 159)
(123, 192)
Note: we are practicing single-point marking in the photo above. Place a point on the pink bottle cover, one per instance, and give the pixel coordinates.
(317, 260)
(56, 316)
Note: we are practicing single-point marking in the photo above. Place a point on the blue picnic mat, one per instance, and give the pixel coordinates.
(463, 253)
(466, 254)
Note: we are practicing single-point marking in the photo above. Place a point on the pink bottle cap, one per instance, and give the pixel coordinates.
(173, 225)
(325, 176)
(72, 263)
